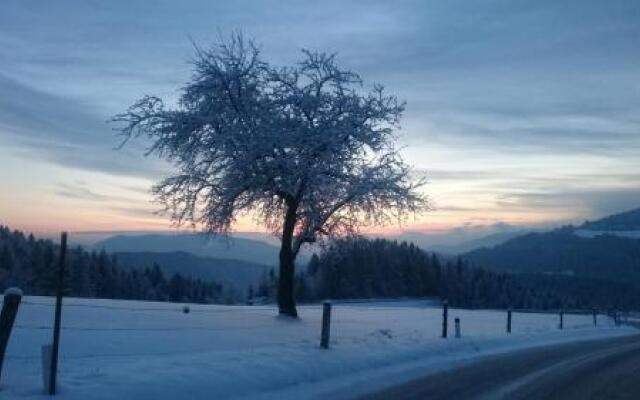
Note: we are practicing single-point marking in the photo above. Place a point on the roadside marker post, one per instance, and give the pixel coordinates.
(509, 320)
(445, 318)
(561, 319)
(457, 322)
(326, 324)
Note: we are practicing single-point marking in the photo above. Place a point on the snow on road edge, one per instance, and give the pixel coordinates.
(427, 362)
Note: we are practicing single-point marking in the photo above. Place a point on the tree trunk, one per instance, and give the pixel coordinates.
(286, 300)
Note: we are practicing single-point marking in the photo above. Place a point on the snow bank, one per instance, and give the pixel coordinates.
(144, 350)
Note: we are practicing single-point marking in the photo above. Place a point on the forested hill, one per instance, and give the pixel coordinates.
(30, 264)
(361, 268)
(231, 273)
(243, 249)
(626, 221)
(604, 257)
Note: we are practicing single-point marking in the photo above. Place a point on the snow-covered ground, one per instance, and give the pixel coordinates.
(142, 350)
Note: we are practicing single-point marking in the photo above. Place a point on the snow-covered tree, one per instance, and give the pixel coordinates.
(305, 149)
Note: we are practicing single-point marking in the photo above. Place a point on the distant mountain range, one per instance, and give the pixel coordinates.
(606, 249)
(236, 273)
(461, 240)
(602, 249)
(248, 250)
(236, 262)
(623, 222)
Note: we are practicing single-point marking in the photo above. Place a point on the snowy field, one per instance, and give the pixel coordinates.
(143, 350)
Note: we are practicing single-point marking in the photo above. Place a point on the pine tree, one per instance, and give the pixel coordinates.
(6, 258)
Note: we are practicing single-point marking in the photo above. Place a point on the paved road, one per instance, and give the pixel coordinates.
(602, 369)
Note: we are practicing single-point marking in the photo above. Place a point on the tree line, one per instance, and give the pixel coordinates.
(356, 267)
(348, 268)
(31, 264)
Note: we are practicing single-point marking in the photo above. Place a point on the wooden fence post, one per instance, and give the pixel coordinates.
(457, 322)
(445, 318)
(509, 320)
(326, 325)
(56, 325)
(561, 319)
(10, 304)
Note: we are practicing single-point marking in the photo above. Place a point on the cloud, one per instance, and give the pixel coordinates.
(512, 106)
(80, 192)
(64, 131)
(125, 200)
(592, 203)
(453, 175)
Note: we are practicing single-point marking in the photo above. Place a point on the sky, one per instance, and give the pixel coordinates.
(519, 113)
